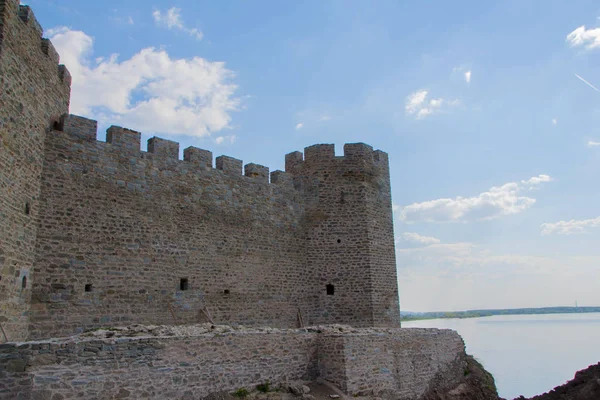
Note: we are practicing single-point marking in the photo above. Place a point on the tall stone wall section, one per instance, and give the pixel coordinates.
(350, 245)
(384, 363)
(96, 234)
(34, 93)
(127, 236)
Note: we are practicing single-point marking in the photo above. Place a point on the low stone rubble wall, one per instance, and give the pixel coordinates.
(190, 362)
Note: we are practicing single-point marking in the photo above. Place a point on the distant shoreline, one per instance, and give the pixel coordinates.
(414, 316)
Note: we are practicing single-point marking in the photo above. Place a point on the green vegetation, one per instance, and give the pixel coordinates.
(264, 387)
(412, 316)
(241, 393)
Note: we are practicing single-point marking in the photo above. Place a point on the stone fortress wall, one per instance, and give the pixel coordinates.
(34, 92)
(100, 233)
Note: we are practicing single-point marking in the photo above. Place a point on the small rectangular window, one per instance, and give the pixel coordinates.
(183, 284)
(88, 287)
(330, 290)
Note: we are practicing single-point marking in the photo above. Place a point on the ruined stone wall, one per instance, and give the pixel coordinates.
(34, 92)
(127, 236)
(178, 367)
(392, 363)
(190, 362)
(350, 245)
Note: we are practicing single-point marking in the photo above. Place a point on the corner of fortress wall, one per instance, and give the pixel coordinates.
(34, 93)
(101, 233)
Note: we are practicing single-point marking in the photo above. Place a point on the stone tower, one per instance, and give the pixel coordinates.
(101, 233)
(349, 234)
(34, 93)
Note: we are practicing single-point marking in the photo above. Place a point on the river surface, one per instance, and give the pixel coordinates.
(527, 354)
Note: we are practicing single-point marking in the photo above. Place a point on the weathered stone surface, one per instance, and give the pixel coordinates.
(195, 361)
(98, 234)
(33, 96)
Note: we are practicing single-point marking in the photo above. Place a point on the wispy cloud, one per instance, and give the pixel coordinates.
(418, 105)
(554, 121)
(172, 20)
(325, 118)
(587, 83)
(589, 38)
(468, 76)
(496, 202)
(593, 144)
(225, 139)
(415, 238)
(570, 227)
(299, 126)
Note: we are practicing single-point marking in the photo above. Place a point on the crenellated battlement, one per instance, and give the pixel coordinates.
(167, 150)
(13, 15)
(321, 155)
(160, 150)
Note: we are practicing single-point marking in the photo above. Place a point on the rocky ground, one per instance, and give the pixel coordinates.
(585, 386)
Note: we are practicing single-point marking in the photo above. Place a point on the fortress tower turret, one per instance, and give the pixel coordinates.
(34, 93)
(350, 245)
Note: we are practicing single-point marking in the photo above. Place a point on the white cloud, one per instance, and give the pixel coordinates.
(172, 20)
(589, 38)
(498, 201)
(417, 104)
(536, 180)
(299, 126)
(325, 118)
(149, 91)
(554, 121)
(418, 239)
(570, 227)
(593, 144)
(225, 139)
(468, 76)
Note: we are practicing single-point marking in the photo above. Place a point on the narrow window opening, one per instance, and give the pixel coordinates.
(27, 209)
(226, 291)
(330, 290)
(24, 283)
(339, 240)
(342, 198)
(183, 284)
(88, 287)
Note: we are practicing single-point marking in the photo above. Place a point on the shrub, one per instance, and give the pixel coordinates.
(241, 393)
(264, 387)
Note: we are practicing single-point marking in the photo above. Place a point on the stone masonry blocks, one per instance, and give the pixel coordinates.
(229, 165)
(79, 126)
(198, 156)
(163, 148)
(125, 138)
(293, 161)
(358, 150)
(319, 152)
(258, 172)
(280, 177)
(27, 16)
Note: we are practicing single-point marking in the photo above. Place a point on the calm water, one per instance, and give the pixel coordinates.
(528, 354)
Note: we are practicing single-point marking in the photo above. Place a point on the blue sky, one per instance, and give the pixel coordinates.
(489, 113)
